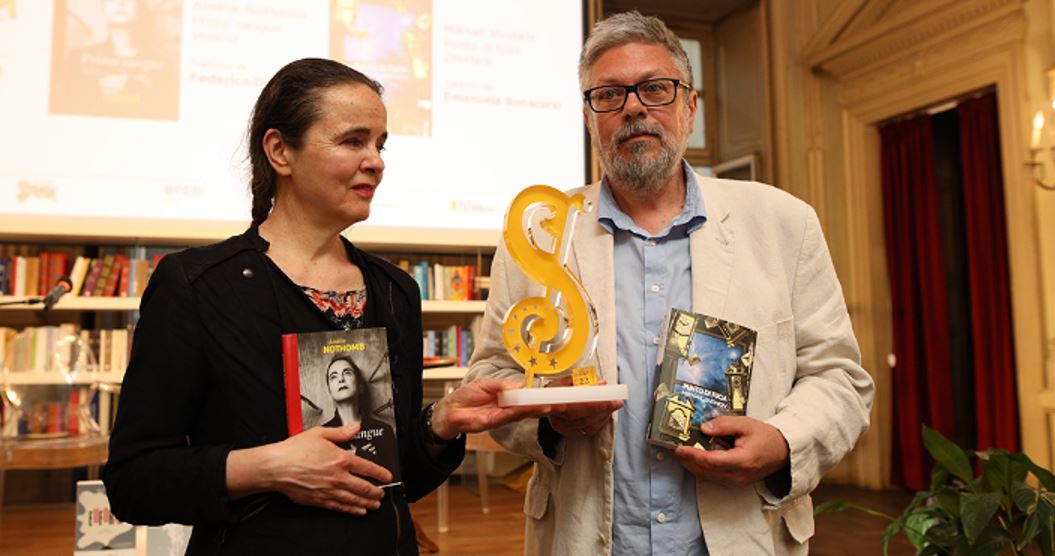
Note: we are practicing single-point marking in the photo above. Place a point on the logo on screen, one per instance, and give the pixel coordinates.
(7, 10)
(34, 190)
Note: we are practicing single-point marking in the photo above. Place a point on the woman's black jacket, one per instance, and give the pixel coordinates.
(205, 378)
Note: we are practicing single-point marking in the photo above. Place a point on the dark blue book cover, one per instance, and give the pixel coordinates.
(704, 372)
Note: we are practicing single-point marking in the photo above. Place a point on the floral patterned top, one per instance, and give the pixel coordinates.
(343, 309)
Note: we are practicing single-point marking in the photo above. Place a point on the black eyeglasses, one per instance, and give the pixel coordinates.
(650, 92)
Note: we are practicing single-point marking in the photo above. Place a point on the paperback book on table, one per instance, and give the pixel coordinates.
(704, 367)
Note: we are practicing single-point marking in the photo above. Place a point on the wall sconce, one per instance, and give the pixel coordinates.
(1035, 163)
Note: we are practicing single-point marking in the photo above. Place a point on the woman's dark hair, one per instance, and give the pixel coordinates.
(289, 104)
(363, 402)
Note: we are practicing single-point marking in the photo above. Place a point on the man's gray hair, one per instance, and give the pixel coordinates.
(631, 27)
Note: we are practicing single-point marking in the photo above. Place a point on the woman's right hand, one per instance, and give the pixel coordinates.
(310, 469)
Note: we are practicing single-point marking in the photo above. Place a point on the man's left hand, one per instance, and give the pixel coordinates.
(474, 408)
(760, 451)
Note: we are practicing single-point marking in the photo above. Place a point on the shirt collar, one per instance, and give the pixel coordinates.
(692, 215)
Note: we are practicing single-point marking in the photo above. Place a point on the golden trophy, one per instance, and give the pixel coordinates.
(554, 335)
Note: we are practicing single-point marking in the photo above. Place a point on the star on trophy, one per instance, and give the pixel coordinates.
(554, 335)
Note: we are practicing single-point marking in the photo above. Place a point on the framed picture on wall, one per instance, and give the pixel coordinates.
(742, 168)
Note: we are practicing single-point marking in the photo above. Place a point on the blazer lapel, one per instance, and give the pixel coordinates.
(711, 247)
(591, 255)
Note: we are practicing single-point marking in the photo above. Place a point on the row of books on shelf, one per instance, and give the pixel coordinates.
(445, 282)
(453, 342)
(82, 411)
(109, 275)
(64, 348)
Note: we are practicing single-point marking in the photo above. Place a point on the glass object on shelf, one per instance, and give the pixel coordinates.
(48, 391)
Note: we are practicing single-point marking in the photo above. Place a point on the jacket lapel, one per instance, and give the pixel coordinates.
(711, 247)
(591, 255)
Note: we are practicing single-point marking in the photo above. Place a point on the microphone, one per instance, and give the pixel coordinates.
(62, 287)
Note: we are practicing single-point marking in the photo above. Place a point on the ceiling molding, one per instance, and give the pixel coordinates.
(832, 28)
(683, 12)
(899, 76)
(902, 27)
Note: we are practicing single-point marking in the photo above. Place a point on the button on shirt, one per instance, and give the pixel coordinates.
(654, 509)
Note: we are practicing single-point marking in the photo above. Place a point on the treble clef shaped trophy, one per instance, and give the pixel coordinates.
(555, 334)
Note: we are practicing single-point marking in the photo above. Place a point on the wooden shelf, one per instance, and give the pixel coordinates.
(69, 303)
(26, 378)
(185, 233)
(444, 373)
(132, 304)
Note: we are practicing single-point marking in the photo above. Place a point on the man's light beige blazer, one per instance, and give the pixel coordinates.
(759, 260)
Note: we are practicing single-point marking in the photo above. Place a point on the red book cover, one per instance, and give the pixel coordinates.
(55, 418)
(73, 422)
(44, 279)
(112, 279)
(59, 264)
(291, 365)
(472, 292)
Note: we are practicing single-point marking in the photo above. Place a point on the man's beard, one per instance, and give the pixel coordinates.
(640, 174)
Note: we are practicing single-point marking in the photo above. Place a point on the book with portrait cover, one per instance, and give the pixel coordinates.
(340, 377)
(704, 371)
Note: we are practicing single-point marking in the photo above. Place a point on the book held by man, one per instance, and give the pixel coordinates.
(704, 368)
(340, 377)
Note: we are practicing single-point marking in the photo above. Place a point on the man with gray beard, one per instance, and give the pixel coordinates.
(663, 237)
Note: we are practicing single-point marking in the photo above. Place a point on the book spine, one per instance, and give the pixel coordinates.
(93, 277)
(32, 281)
(291, 368)
(44, 279)
(77, 275)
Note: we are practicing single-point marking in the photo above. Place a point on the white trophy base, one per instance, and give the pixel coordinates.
(563, 394)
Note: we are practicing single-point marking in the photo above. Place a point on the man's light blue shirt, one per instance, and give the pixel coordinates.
(654, 508)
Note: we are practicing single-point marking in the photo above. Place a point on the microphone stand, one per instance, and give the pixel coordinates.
(26, 301)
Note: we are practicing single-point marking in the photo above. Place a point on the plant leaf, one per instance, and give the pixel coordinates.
(939, 476)
(976, 510)
(1047, 478)
(891, 530)
(916, 526)
(949, 500)
(1025, 496)
(947, 454)
(831, 506)
(991, 542)
(1029, 530)
(1046, 539)
(996, 470)
(1038, 526)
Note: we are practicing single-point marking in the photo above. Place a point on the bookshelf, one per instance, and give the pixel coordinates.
(448, 249)
(69, 303)
(33, 378)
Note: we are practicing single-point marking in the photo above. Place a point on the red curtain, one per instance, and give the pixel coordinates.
(922, 381)
(987, 275)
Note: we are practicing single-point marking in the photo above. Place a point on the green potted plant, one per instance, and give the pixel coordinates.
(1007, 508)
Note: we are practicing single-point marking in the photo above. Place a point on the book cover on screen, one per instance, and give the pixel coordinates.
(335, 378)
(704, 368)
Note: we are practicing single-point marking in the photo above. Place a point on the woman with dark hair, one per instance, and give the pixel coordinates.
(200, 436)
